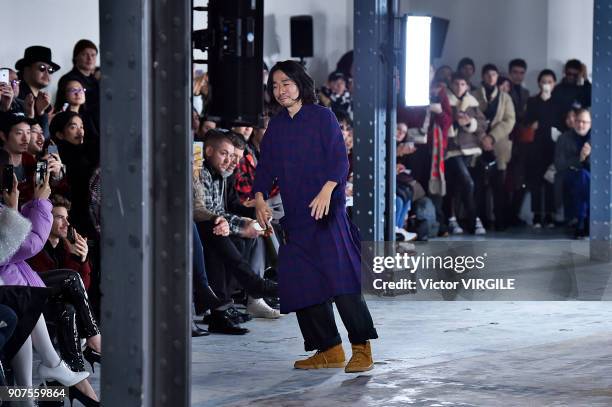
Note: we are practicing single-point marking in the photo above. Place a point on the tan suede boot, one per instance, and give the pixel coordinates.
(332, 357)
(361, 361)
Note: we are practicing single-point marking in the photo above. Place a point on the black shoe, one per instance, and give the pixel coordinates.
(74, 393)
(196, 331)
(205, 320)
(92, 357)
(221, 322)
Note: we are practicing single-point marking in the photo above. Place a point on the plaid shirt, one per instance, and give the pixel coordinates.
(245, 175)
(208, 202)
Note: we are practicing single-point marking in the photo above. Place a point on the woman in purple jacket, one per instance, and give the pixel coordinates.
(320, 261)
(14, 271)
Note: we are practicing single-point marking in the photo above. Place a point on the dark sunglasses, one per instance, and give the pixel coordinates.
(45, 68)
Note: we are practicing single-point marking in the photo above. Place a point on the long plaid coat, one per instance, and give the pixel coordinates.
(320, 259)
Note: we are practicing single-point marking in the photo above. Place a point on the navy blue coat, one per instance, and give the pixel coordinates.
(320, 259)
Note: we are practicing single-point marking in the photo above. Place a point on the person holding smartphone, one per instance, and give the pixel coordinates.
(320, 261)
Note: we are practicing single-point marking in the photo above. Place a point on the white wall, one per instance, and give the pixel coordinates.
(57, 24)
(543, 32)
(332, 32)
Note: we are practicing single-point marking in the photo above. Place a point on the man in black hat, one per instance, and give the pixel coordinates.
(84, 58)
(35, 70)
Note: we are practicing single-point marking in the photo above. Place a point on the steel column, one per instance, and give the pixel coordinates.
(601, 135)
(146, 262)
(370, 110)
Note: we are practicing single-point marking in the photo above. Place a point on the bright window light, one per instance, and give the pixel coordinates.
(418, 33)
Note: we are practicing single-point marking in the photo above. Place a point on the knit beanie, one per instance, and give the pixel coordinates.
(81, 45)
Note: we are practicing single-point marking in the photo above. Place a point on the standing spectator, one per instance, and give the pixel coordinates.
(498, 110)
(443, 76)
(467, 68)
(35, 70)
(574, 91)
(84, 58)
(517, 68)
(464, 137)
(73, 96)
(540, 153)
(573, 164)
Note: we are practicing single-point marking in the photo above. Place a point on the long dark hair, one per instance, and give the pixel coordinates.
(296, 72)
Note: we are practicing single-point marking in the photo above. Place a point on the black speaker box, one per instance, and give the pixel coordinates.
(235, 61)
(301, 36)
(439, 28)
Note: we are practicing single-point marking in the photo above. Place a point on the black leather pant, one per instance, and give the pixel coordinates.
(69, 309)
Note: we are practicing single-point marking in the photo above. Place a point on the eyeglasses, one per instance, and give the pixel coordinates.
(46, 68)
(75, 91)
(15, 82)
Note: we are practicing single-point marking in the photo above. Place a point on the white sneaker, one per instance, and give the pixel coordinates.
(478, 228)
(537, 225)
(259, 309)
(404, 235)
(62, 374)
(454, 227)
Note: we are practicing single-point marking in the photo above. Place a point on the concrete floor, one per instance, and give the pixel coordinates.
(428, 354)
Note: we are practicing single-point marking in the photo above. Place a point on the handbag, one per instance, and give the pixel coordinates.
(526, 134)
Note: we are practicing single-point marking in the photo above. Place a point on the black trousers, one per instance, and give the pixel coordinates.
(319, 328)
(69, 309)
(460, 187)
(223, 261)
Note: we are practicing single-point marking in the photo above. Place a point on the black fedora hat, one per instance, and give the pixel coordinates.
(36, 53)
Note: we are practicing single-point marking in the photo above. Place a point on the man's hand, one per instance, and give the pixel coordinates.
(405, 149)
(43, 101)
(534, 125)
(79, 248)
(221, 227)
(487, 143)
(42, 191)
(320, 204)
(262, 211)
(249, 231)
(29, 106)
(54, 164)
(585, 152)
(12, 199)
(6, 96)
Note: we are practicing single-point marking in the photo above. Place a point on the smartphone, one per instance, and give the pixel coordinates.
(6, 180)
(258, 227)
(41, 171)
(52, 149)
(71, 238)
(4, 76)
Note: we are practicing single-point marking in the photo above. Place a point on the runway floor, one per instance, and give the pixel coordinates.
(428, 354)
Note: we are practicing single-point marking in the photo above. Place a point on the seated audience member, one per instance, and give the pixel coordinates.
(467, 69)
(245, 173)
(498, 110)
(215, 225)
(35, 70)
(403, 194)
(64, 267)
(84, 57)
(573, 164)
(251, 245)
(15, 135)
(205, 125)
(72, 96)
(335, 94)
(81, 161)
(16, 272)
(8, 322)
(9, 100)
(464, 140)
(574, 90)
(540, 118)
